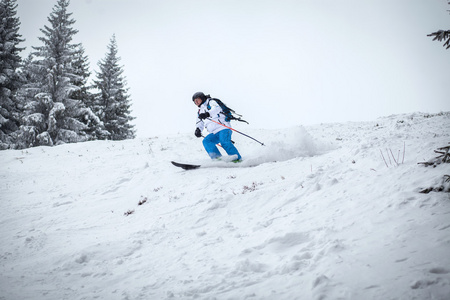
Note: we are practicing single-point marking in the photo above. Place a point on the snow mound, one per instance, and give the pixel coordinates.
(319, 215)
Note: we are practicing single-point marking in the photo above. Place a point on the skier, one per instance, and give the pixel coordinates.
(210, 111)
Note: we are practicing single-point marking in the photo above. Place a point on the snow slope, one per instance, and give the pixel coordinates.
(328, 220)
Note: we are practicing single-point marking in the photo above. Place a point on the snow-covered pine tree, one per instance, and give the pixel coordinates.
(33, 119)
(81, 69)
(112, 103)
(95, 128)
(10, 80)
(53, 115)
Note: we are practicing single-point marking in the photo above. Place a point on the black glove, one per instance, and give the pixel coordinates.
(203, 116)
(198, 133)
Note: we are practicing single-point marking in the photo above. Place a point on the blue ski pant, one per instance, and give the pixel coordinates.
(224, 138)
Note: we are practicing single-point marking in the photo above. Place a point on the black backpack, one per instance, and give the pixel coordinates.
(229, 113)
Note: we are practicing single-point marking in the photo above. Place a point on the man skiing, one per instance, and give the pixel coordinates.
(211, 116)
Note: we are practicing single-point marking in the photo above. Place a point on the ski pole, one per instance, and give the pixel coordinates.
(262, 144)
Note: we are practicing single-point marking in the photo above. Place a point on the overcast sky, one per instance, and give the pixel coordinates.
(280, 63)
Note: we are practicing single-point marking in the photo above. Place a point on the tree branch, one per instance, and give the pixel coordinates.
(442, 35)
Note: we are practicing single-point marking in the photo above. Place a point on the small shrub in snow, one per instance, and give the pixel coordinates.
(444, 186)
(444, 157)
(393, 161)
(128, 212)
(250, 188)
(142, 201)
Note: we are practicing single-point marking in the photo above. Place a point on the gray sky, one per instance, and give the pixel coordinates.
(280, 63)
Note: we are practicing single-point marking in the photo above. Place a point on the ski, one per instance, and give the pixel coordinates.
(185, 166)
(222, 162)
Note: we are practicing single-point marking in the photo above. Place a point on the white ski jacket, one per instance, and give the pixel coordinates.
(216, 114)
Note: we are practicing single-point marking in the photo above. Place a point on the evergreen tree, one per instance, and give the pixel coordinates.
(81, 70)
(112, 103)
(33, 119)
(58, 73)
(10, 80)
(95, 127)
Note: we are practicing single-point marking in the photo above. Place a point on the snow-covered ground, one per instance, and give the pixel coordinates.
(327, 220)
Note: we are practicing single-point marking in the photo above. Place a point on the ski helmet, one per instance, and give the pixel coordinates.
(199, 95)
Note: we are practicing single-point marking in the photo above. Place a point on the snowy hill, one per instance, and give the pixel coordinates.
(331, 219)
